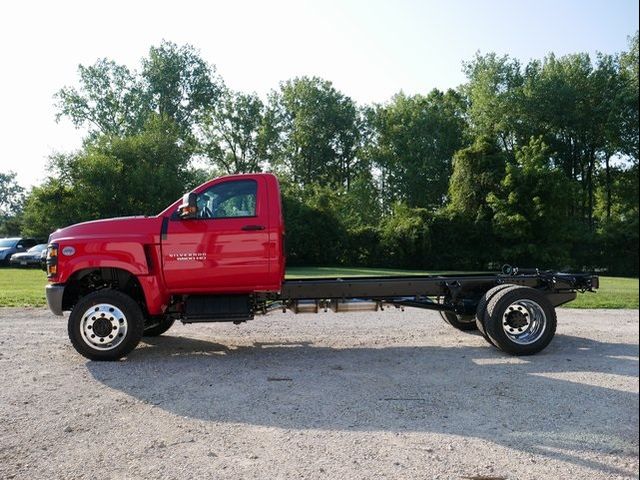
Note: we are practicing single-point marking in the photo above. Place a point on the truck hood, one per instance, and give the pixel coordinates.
(146, 229)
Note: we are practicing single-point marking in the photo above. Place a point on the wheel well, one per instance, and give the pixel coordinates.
(90, 280)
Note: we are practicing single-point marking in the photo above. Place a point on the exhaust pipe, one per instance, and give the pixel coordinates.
(305, 306)
(338, 306)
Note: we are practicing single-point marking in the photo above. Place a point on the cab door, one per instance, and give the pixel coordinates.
(226, 247)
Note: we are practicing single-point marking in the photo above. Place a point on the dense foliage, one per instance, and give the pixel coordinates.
(11, 201)
(532, 164)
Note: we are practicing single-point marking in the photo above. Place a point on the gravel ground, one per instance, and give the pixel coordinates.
(359, 395)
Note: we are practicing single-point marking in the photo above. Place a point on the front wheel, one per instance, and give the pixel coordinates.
(105, 325)
(520, 320)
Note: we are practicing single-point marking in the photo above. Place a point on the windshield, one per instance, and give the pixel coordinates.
(38, 248)
(8, 242)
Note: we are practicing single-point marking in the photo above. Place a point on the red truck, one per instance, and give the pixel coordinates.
(218, 255)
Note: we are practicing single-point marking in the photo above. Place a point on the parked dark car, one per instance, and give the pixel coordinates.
(30, 258)
(12, 245)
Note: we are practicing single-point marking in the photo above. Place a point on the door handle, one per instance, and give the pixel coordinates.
(253, 227)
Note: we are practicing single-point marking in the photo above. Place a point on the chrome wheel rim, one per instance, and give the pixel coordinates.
(524, 322)
(103, 327)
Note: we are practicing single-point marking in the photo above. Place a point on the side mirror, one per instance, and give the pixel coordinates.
(189, 208)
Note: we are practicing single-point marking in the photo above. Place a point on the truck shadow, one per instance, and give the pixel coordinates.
(553, 404)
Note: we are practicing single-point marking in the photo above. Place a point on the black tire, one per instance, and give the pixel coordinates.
(114, 331)
(481, 310)
(520, 320)
(461, 322)
(159, 328)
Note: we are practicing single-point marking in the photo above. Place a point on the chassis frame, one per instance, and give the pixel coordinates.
(455, 293)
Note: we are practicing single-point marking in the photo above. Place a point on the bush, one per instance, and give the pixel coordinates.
(404, 237)
(313, 236)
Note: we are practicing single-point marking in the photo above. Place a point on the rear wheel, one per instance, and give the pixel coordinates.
(461, 322)
(105, 325)
(520, 320)
(481, 311)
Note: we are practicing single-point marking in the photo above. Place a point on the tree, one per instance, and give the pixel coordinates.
(583, 110)
(175, 83)
(404, 236)
(414, 139)
(235, 135)
(629, 101)
(50, 206)
(530, 209)
(455, 172)
(11, 203)
(180, 85)
(110, 100)
(308, 240)
(113, 176)
(494, 95)
(477, 172)
(361, 206)
(565, 107)
(318, 132)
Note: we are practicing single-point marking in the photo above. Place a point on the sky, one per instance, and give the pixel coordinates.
(370, 50)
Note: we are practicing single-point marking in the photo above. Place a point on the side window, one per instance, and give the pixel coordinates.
(235, 198)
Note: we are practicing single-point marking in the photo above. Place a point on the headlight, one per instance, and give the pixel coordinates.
(52, 260)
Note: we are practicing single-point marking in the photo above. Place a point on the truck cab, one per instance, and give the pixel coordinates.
(228, 240)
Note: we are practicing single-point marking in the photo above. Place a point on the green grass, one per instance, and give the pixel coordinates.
(22, 287)
(25, 287)
(614, 292)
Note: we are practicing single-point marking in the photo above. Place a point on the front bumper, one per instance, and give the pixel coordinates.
(54, 294)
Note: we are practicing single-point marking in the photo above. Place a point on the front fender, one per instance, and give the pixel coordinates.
(135, 258)
(129, 256)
